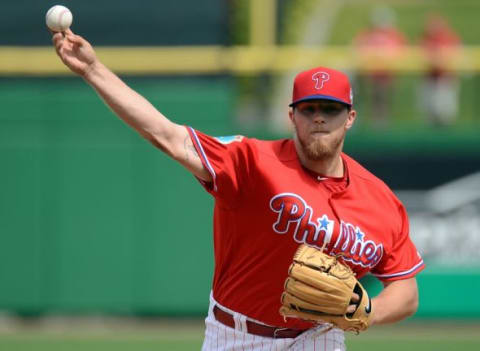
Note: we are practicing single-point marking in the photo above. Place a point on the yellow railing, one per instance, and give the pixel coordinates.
(42, 61)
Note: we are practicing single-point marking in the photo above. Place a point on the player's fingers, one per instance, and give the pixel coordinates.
(61, 54)
(56, 37)
(75, 39)
(58, 48)
(355, 298)
(351, 308)
(59, 44)
(72, 37)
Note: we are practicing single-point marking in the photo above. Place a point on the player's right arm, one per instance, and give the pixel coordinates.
(173, 139)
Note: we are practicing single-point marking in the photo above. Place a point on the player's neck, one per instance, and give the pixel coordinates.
(332, 167)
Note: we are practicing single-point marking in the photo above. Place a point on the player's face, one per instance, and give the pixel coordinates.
(320, 127)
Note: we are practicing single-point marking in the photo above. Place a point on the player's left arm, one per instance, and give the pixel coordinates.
(397, 301)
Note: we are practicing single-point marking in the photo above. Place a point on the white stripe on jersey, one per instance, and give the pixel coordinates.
(399, 274)
(203, 156)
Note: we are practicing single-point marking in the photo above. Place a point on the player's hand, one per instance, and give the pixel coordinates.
(75, 52)
(355, 300)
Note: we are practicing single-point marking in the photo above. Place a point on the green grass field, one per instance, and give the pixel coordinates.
(182, 336)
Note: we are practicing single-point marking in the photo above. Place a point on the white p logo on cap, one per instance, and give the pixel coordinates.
(320, 78)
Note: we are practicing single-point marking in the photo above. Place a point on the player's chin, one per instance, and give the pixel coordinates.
(317, 150)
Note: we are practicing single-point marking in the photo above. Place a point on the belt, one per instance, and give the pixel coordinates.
(256, 328)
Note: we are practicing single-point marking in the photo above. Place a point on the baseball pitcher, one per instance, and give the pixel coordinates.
(296, 221)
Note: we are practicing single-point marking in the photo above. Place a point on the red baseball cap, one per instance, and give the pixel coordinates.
(322, 83)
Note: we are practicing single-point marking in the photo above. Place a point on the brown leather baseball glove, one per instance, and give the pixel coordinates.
(320, 288)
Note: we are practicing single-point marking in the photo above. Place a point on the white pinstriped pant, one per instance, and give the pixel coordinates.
(219, 337)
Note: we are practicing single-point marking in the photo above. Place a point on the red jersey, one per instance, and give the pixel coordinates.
(267, 204)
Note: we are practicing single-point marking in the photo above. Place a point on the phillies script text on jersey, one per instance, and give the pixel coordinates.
(295, 217)
(267, 203)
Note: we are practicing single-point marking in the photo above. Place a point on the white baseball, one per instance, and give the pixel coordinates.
(58, 18)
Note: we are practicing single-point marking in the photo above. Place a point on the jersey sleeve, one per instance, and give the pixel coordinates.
(403, 261)
(228, 160)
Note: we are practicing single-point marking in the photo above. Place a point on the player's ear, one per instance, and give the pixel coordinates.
(290, 113)
(352, 115)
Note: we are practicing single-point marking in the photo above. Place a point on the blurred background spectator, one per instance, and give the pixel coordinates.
(440, 87)
(379, 44)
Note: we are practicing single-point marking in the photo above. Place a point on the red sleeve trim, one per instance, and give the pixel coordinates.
(203, 156)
